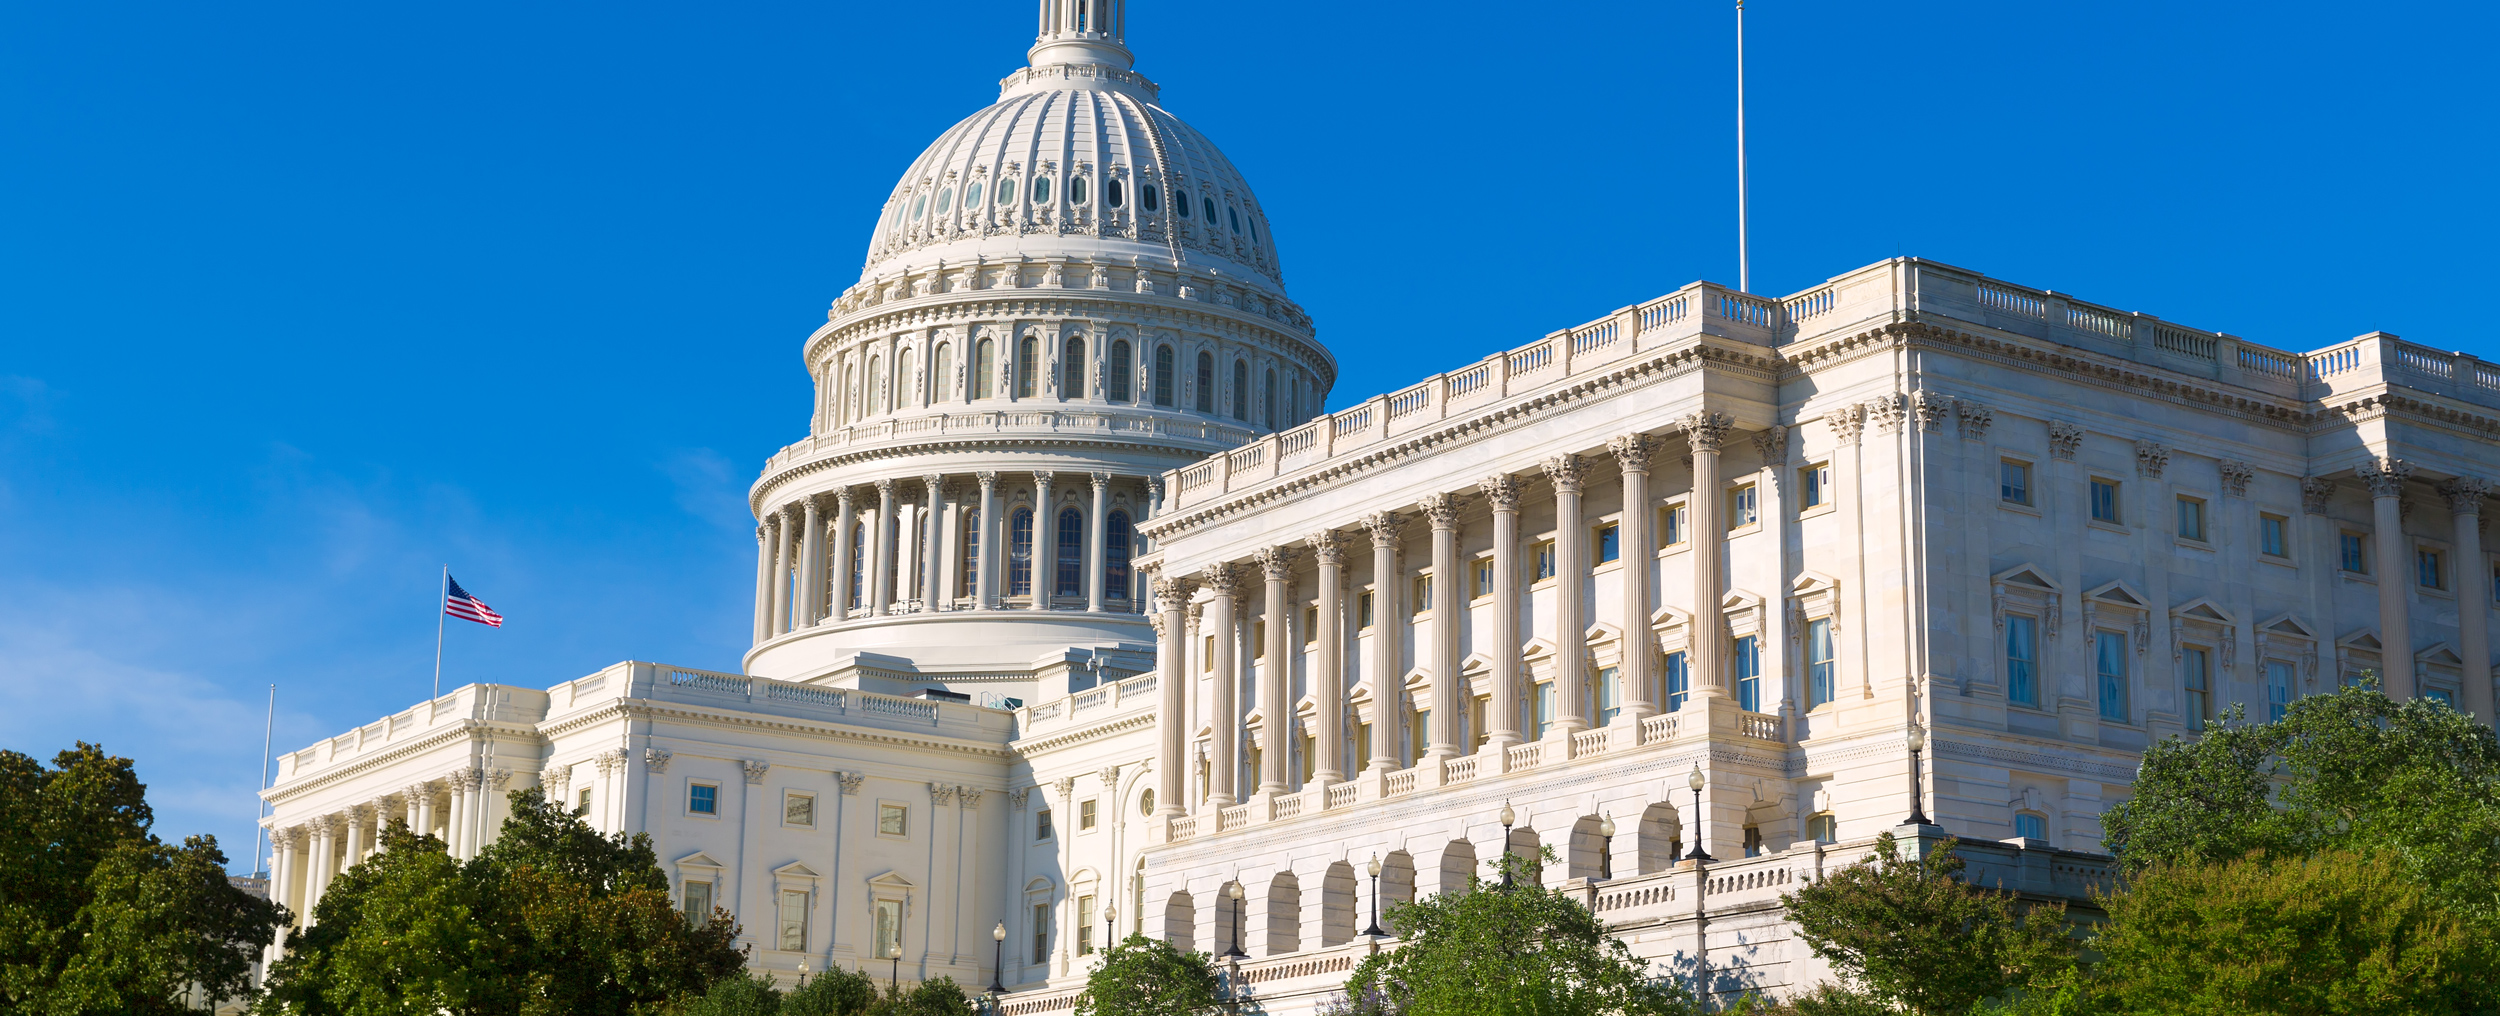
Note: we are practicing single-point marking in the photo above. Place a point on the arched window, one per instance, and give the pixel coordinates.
(1070, 580)
(1116, 377)
(1020, 553)
(1241, 390)
(942, 373)
(918, 205)
(1164, 369)
(1206, 382)
(1233, 215)
(859, 564)
(1041, 190)
(1072, 369)
(1267, 404)
(1079, 189)
(1180, 203)
(1207, 205)
(968, 569)
(842, 399)
(903, 393)
(1112, 193)
(1146, 194)
(1007, 191)
(1115, 554)
(985, 369)
(868, 399)
(1027, 351)
(946, 199)
(972, 194)
(1293, 406)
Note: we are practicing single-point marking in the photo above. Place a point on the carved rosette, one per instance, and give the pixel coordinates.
(2064, 439)
(1328, 547)
(1846, 423)
(1632, 452)
(2315, 491)
(2151, 457)
(1706, 430)
(2235, 477)
(2465, 494)
(1442, 509)
(1501, 492)
(2383, 476)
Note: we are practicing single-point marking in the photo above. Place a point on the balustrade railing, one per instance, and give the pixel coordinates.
(1458, 770)
(2183, 342)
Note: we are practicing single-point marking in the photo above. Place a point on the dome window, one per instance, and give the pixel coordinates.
(1180, 202)
(1233, 214)
(1007, 191)
(1079, 190)
(1147, 196)
(1207, 205)
(1111, 193)
(946, 199)
(972, 193)
(1041, 190)
(919, 205)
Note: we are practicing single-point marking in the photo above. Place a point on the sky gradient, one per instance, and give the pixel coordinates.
(299, 302)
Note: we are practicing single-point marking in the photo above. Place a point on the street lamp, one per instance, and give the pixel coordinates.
(1234, 891)
(998, 957)
(1606, 848)
(1918, 802)
(1374, 867)
(802, 971)
(894, 978)
(1110, 927)
(1701, 853)
(1507, 818)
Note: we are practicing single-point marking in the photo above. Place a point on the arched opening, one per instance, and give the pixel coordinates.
(1116, 378)
(968, 565)
(1020, 553)
(859, 564)
(1027, 351)
(1267, 401)
(1662, 838)
(1528, 848)
(985, 370)
(905, 395)
(1070, 577)
(1115, 554)
(1165, 368)
(942, 374)
(842, 409)
(1337, 920)
(1241, 390)
(1231, 929)
(1180, 921)
(1582, 857)
(1284, 915)
(1206, 382)
(876, 383)
(1072, 369)
(1458, 861)
(1397, 886)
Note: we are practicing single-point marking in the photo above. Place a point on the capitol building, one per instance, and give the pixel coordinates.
(1077, 614)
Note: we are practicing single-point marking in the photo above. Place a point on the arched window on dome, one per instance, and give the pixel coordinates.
(906, 394)
(1020, 553)
(1293, 406)
(1208, 205)
(972, 194)
(1028, 350)
(1250, 221)
(1147, 198)
(1241, 390)
(1164, 369)
(919, 204)
(868, 397)
(1070, 577)
(942, 373)
(1041, 190)
(1079, 190)
(1233, 215)
(985, 370)
(1112, 193)
(946, 199)
(1116, 377)
(1007, 190)
(1267, 400)
(1115, 555)
(1072, 369)
(968, 565)
(1206, 383)
(1180, 203)
(842, 409)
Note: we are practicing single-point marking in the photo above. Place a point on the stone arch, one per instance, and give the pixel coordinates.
(1180, 921)
(1583, 851)
(1458, 861)
(1336, 905)
(1282, 927)
(1661, 831)
(1528, 847)
(1231, 931)
(1397, 880)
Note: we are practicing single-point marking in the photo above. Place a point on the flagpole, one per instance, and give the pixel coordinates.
(440, 596)
(260, 808)
(1744, 264)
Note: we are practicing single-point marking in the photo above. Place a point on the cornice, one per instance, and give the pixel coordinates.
(642, 708)
(1187, 449)
(464, 729)
(1108, 728)
(969, 306)
(2392, 401)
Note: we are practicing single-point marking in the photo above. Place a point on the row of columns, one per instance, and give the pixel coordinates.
(2385, 479)
(794, 568)
(307, 856)
(1441, 654)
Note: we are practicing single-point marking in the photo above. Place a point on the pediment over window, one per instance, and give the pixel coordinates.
(2440, 655)
(892, 879)
(2286, 624)
(2204, 609)
(795, 870)
(698, 859)
(2119, 594)
(1813, 582)
(2365, 640)
(2025, 574)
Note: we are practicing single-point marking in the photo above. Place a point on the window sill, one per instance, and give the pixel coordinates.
(2278, 561)
(1674, 548)
(2434, 593)
(2109, 527)
(1813, 511)
(2191, 544)
(2020, 508)
(2361, 578)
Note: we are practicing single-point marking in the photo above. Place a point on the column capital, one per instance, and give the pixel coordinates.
(2314, 494)
(1223, 580)
(359, 812)
(1328, 547)
(1567, 473)
(2064, 439)
(416, 792)
(1276, 562)
(843, 497)
(988, 478)
(787, 513)
(1042, 478)
(1847, 422)
(885, 488)
(285, 838)
(2465, 494)
(2151, 457)
(2235, 476)
(1706, 430)
(1632, 451)
(1501, 491)
(763, 532)
(1384, 529)
(1101, 480)
(2384, 476)
(933, 481)
(1443, 509)
(1173, 593)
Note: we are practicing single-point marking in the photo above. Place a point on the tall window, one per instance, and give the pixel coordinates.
(2353, 551)
(1671, 520)
(1165, 368)
(698, 901)
(793, 921)
(2014, 482)
(1542, 714)
(1816, 481)
(2270, 536)
(1679, 682)
(1070, 578)
(2197, 674)
(2278, 688)
(1206, 382)
(859, 564)
(2430, 568)
(2030, 826)
(1267, 401)
(968, 565)
(903, 395)
(1823, 829)
(2022, 660)
(1041, 933)
(2109, 661)
(985, 370)
(1241, 390)
(2192, 518)
(1748, 664)
(1085, 925)
(1741, 506)
(1609, 543)
(888, 937)
(1609, 695)
(1072, 369)
(1020, 553)
(871, 401)
(1117, 377)
(1028, 350)
(1820, 685)
(1115, 554)
(942, 373)
(2104, 500)
(1544, 568)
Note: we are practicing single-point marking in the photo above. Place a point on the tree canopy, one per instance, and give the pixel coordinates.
(98, 915)
(1912, 933)
(1141, 976)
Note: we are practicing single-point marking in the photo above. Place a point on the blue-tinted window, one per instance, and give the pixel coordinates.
(2109, 663)
(2031, 827)
(1609, 543)
(703, 799)
(2022, 660)
(1748, 664)
(1821, 685)
(1679, 682)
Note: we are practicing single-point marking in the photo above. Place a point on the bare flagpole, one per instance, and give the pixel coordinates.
(260, 807)
(1744, 264)
(439, 597)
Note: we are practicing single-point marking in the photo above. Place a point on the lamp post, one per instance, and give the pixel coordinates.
(1374, 867)
(1701, 853)
(1918, 796)
(1234, 891)
(998, 957)
(1507, 818)
(1606, 848)
(894, 978)
(1110, 927)
(802, 971)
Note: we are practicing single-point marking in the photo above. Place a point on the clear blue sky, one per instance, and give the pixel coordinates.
(298, 301)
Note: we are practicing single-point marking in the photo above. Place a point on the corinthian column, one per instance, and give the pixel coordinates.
(1225, 716)
(1387, 678)
(1449, 598)
(811, 580)
(1632, 455)
(1328, 662)
(763, 580)
(2386, 480)
(984, 595)
(1502, 715)
(1571, 616)
(2465, 508)
(781, 571)
(1100, 526)
(1171, 620)
(933, 590)
(845, 515)
(881, 554)
(1706, 430)
(1045, 543)
(1275, 691)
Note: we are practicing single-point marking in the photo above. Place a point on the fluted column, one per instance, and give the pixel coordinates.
(845, 515)
(881, 554)
(1502, 712)
(1099, 524)
(1449, 597)
(317, 865)
(1171, 621)
(1045, 542)
(1275, 687)
(811, 579)
(2465, 508)
(357, 814)
(932, 587)
(457, 834)
(1571, 615)
(1224, 717)
(781, 570)
(764, 580)
(1328, 662)
(2386, 480)
(1632, 672)
(1706, 430)
(1388, 633)
(382, 810)
(282, 870)
(985, 559)
(420, 809)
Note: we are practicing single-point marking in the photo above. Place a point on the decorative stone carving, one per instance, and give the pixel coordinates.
(558, 780)
(1328, 547)
(1930, 408)
(1222, 580)
(850, 782)
(1383, 527)
(970, 796)
(1975, 419)
(755, 770)
(941, 794)
(1706, 430)
(1275, 562)
(2151, 457)
(1154, 620)
(2315, 491)
(656, 759)
(1772, 443)
(1066, 786)
(496, 779)
(1846, 423)
(1885, 412)
(1110, 777)
(1567, 472)
(2235, 477)
(1632, 452)
(1443, 509)
(1016, 798)
(1500, 491)
(2384, 477)
(1041, 488)
(2465, 494)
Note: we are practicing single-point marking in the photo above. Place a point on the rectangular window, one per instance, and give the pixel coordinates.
(2031, 827)
(1479, 713)
(1823, 829)
(2192, 518)
(703, 799)
(2430, 568)
(1419, 735)
(1753, 841)
(1484, 577)
(1671, 525)
(2022, 660)
(2014, 482)
(2278, 688)
(2109, 661)
(2271, 539)
(1041, 933)
(1085, 925)
(1816, 481)
(1679, 682)
(888, 930)
(1041, 824)
(1542, 705)
(891, 819)
(1363, 610)
(793, 921)
(583, 807)
(798, 809)
(1206, 654)
(1085, 814)
(1310, 625)
(1423, 593)
(1748, 664)
(1822, 684)
(1362, 745)
(1741, 504)
(698, 900)
(1258, 640)
(2196, 675)
(1608, 543)
(2353, 550)
(2105, 501)
(1609, 697)
(1544, 561)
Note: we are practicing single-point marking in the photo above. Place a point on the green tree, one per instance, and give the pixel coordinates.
(1143, 976)
(97, 915)
(1912, 933)
(1511, 951)
(2353, 771)
(833, 993)
(938, 996)
(552, 918)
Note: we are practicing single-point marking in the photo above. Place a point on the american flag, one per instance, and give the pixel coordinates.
(458, 603)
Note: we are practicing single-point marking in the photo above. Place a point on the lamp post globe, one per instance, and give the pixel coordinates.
(894, 977)
(1606, 847)
(1700, 854)
(1374, 868)
(998, 957)
(1233, 890)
